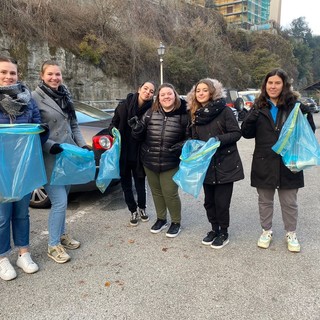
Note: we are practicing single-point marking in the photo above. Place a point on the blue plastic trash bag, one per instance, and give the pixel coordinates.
(74, 165)
(109, 163)
(21, 162)
(195, 159)
(297, 143)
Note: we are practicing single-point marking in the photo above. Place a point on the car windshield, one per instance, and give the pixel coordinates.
(86, 113)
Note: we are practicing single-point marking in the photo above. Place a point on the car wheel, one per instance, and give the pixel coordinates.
(39, 199)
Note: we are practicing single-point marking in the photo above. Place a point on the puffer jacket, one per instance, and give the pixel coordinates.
(217, 120)
(267, 169)
(163, 135)
(31, 115)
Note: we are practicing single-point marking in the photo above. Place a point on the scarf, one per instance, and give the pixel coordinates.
(14, 99)
(62, 97)
(207, 113)
(134, 109)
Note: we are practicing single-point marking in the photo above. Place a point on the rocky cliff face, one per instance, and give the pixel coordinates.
(86, 82)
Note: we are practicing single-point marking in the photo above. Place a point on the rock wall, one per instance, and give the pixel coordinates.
(86, 82)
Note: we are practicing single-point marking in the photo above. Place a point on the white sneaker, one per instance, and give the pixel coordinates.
(7, 271)
(293, 243)
(26, 263)
(265, 239)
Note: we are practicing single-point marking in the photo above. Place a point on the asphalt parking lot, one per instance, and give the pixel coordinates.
(128, 273)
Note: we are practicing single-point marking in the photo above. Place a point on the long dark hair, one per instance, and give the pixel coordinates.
(287, 97)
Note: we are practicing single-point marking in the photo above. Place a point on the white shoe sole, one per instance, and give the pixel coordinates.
(159, 230)
(220, 247)
(170, 235)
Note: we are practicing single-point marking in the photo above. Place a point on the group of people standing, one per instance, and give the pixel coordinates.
(153, 132)
(50, 104)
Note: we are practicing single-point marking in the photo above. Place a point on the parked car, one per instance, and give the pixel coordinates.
(248, 97)
(235, 102)
(310, 103)
(91, 122)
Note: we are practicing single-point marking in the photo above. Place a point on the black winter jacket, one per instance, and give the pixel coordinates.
(217, 120)
(130, 147)
(267, 169)
(163, 135)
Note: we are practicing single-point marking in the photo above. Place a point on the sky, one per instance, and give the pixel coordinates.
(293, 9)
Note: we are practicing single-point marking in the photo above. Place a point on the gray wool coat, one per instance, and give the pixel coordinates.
(61, 128)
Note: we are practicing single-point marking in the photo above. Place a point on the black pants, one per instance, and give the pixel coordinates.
(217, 204)
(127, 187)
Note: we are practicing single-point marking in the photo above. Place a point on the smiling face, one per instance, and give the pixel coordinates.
(274, 88)
(52, 76)
(8, 74)
(146, 92)
(167, 98)
(203, 94)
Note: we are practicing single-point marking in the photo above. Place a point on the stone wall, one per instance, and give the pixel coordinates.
(86, 82)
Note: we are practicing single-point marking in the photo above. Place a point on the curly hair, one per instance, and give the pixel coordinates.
(216, 91)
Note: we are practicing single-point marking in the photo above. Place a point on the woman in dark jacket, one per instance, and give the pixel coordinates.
(16, 107)
(211, 117)
(136, 104)
(163, 131)
(268, 173)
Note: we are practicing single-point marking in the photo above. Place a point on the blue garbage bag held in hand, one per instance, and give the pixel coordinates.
(21, 162)
(109, 163)
(195, 159)
(297, 143)
(74, 165)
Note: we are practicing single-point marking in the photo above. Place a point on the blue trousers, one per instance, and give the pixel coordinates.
(14, 215)
(58, 196)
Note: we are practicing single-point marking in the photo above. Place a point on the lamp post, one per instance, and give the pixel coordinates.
(161, 51)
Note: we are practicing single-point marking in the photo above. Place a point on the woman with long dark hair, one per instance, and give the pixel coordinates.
(268, 173)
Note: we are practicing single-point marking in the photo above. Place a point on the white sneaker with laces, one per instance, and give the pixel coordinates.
(26, 263)
(293, 243)
(265, 239)
(7, 271)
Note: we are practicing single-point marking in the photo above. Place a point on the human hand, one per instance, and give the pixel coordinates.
(133, 122)
(55, 149)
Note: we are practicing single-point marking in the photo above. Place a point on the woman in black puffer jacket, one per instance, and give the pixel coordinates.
(163, 130)
(211, 117)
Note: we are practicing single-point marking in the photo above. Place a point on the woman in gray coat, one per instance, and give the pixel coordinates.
(211, 117)
(56, 108)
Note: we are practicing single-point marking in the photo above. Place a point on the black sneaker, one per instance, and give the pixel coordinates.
(144, 217)
(134, 219)
(159, 226)
(174, 230)
(208, 239)
(220, 241)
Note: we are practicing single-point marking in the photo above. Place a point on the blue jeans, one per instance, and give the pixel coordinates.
(18, 214)
(58, 196)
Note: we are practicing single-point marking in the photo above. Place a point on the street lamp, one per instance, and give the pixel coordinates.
(161, 51)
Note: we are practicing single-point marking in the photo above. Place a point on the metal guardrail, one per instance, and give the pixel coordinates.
(107, 105)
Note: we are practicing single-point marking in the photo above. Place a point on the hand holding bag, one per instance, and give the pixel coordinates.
(109, 163)
(74, 165)
(195, 159)
(297, 143)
